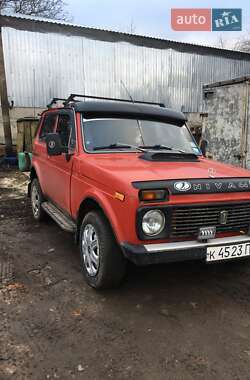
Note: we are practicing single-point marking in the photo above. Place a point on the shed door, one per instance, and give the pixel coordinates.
(224, 122)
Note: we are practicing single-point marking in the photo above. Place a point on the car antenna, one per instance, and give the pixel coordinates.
(127, 91)
(132, 100)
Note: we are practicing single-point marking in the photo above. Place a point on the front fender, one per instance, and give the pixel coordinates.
(103, 200)
(117, 212)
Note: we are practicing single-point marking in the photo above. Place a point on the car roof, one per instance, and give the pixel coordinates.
(129, 110)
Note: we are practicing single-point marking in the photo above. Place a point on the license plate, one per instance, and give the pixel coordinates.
(225, 252)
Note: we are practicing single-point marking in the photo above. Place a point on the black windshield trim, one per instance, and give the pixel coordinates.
(134, 116)
(130, 150)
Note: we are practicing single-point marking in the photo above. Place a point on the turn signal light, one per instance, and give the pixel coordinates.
(119, 196)
(153, 195)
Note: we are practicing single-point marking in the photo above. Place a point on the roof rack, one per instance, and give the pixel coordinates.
(55, 100)
(72, 97)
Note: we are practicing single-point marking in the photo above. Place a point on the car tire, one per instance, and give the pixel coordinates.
(102, 262)
(36, 197)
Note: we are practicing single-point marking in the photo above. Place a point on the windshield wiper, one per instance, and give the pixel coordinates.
(162, 147)
(118, 146)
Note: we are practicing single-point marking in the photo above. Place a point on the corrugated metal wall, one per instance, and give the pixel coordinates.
(40, 66)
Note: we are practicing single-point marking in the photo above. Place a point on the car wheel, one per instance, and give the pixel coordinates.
(36, 200)
(102, 262)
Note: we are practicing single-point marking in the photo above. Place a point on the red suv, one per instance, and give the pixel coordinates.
(130, 182)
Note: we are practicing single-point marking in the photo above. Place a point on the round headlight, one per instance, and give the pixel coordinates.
(153, 222)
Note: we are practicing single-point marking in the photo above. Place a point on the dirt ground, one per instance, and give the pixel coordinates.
(183, 321)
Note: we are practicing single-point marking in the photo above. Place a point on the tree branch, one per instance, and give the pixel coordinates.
(54, 9)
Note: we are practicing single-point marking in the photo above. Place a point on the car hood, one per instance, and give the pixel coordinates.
(128, 167)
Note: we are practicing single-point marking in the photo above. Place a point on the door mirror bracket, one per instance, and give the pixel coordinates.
(68, 155)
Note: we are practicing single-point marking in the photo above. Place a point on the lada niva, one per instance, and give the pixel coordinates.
(129, 180)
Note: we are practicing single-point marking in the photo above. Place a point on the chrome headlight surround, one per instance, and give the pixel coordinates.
(164, 233)
(153, 222)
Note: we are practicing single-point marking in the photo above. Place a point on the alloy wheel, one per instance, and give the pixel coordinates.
(90, 249)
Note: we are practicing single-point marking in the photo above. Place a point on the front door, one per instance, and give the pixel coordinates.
(60, 167)
(40, 155)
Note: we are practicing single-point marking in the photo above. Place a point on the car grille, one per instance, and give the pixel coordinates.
(186, 221)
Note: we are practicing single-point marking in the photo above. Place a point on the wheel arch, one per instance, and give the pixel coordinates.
(33, 174)
(87, 205)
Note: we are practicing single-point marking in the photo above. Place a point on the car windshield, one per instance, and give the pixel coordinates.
(127, 134)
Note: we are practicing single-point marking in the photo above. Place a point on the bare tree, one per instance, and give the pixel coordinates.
(221, 42)
(131, 27)
(243, 44)
(53, 9)
(2, 4)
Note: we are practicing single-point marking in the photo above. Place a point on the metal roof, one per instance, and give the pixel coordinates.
(32, 23)
(226, 82)
(56, 58)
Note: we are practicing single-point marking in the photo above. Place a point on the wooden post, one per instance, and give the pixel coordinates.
(5, 101)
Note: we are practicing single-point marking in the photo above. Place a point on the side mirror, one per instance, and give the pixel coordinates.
(203, 147)
(54, 145)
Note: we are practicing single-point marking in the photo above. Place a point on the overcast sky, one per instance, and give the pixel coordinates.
(152, 17)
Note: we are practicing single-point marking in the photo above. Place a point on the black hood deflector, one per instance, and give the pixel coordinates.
(169, 157)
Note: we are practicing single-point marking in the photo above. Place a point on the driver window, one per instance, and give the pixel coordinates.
(48, 124)
(66, 130)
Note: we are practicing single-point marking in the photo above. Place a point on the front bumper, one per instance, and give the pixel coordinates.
(178, 251)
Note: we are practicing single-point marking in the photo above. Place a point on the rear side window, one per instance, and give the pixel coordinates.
(48, 125)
